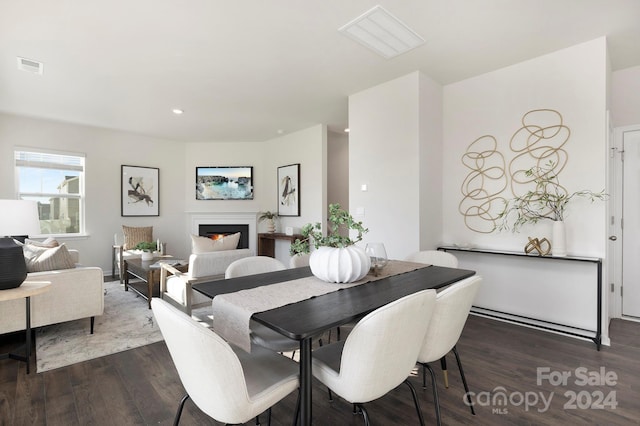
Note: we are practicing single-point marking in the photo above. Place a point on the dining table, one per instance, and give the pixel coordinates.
(305, 319)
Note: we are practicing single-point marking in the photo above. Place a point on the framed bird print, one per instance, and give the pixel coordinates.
(289, 190)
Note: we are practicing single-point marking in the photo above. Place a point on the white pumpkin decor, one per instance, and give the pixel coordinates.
(339, 265)
(335, 259)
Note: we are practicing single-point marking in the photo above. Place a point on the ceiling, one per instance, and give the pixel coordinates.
(249, 70)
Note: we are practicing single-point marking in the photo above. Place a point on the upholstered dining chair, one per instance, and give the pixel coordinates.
(261, 335)
(378, 354)
(226, 383)
(447, 322)
(434, 257)
(437, 258)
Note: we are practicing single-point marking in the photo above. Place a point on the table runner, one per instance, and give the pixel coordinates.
(232, 311)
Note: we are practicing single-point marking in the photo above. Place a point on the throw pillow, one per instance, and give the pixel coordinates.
(205, 244)
(49, 242)
(134, 235)
(40, 259)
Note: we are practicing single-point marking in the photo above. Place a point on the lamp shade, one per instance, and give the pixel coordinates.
(19, 217)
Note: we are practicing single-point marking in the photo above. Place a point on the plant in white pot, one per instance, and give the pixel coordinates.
(270, 217)
(336, 258)
(147, 249)
(548, 200)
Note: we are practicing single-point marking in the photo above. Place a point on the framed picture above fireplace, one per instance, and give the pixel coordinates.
(224, 183)
(289, 190)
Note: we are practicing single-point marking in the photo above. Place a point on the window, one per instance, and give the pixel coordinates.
(56, 182)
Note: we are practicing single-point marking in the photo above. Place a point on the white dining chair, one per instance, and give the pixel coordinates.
(226, 383)
(261, 335)
(437, 258)
(434, 257)
(449, 317)
(378, 354)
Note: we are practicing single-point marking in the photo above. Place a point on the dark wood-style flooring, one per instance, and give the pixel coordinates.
(141, 386)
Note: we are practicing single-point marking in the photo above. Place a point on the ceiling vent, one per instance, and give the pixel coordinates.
(30, 65)
(382, 32)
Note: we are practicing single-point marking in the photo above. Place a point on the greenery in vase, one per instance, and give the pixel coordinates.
(340, 222)
(267, 215)
(548, 200)
(146, 246)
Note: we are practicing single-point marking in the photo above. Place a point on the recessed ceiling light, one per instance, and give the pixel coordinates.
(382, 32)
(346, 130)
(280, 131)
(177, 111)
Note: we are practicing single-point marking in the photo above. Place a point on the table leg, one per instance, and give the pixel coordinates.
(305, 382)
(149, 287)
(28, 331)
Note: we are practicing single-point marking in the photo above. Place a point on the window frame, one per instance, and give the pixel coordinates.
(21, 160)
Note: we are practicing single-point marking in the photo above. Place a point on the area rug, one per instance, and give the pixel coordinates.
(126, 323)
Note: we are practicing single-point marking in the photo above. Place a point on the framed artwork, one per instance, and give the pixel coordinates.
(289, 190)
(140, 191)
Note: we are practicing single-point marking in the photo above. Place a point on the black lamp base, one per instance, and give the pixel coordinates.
(13, 269)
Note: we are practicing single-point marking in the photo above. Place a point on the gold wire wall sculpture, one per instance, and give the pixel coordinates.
(537, 145)
(480, 204)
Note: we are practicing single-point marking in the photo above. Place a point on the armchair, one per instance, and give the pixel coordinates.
(123, 248)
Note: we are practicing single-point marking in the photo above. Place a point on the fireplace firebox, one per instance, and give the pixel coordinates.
(213, 230)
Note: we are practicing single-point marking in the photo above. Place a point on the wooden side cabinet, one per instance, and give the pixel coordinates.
(267, 242)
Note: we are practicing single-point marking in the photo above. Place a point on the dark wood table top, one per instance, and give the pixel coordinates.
(309, 317)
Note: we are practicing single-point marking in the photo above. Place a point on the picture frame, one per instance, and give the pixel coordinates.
(139, 191)
(289, 190)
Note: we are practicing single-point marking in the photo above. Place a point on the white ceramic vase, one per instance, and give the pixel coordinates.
(339, 265)
(146, 255)
(271, 226)
(558, 239)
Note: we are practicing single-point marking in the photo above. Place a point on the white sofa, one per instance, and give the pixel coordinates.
(175, 286)
(74, 294)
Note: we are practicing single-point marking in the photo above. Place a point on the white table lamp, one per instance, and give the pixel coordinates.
(17, 217)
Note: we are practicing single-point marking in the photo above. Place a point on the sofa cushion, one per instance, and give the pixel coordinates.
(49, 242)
(134, 235)
(40, 259)
(206, 245)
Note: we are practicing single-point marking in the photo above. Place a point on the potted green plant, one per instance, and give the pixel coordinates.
(335, 257)
(548, 200)
(270, 217)
(147, 249)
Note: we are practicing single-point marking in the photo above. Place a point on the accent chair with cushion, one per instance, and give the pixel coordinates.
(131, 236)
(208, 261)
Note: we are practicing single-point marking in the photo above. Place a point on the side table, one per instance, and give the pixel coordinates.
(26, 290)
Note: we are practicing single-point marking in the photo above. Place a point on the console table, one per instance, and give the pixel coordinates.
(267, 242)
(546, 292)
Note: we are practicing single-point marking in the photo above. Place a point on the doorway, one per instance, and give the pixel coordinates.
(627, 234)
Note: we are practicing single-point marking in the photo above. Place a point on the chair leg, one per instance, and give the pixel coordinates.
(176, 421)
(295, 418)
(415, 401)
(443, 364)
(464, 381)
(365, 415)
(330, 395)
(434, 386)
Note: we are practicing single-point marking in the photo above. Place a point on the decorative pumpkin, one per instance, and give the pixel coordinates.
(339, 265)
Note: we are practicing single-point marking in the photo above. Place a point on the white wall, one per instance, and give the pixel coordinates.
(105, 150)
(338, 169)
(571, 81)
(625, 97)
(391, 129)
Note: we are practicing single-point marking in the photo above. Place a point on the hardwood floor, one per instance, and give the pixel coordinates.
(141, 386)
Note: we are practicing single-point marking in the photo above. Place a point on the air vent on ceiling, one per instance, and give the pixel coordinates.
(30, 65)
(382, 32)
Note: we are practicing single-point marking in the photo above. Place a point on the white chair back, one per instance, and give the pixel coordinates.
(253, 265)
(434, 257)
(382, 348)
(299, 260)
(208, 368)
(449, 317)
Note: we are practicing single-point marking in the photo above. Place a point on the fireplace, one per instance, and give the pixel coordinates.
(216, 231)
(248, 219)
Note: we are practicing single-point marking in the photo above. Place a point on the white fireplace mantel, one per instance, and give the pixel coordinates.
(227, 218)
